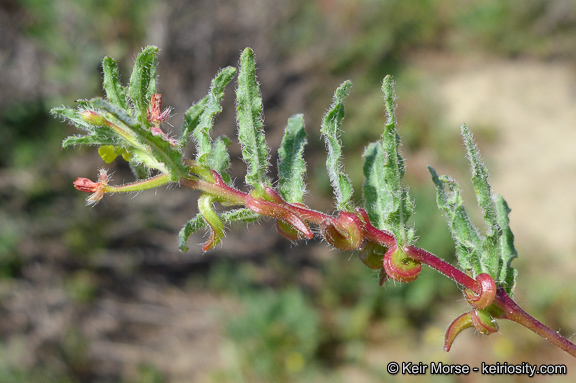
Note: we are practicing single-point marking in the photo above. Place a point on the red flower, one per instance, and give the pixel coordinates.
(96, 188)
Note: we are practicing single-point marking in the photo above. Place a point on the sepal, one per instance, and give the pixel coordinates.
(481, 320)
(487, 294)
(270, 204)
(205, 207)
(372, 255)
(399, 266)
(344, 232)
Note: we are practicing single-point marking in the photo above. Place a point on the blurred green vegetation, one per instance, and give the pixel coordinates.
(290, 328)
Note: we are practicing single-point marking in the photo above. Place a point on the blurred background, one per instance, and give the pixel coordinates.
(101, 294)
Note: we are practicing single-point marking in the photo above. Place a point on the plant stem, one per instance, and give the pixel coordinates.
(509, 309)
(513, 312)
(443, 267)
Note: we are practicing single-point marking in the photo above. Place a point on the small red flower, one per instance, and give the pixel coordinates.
(96, 188)
(156, 116)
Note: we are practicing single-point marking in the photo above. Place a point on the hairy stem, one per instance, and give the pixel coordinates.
(509, 309)
(513, 312)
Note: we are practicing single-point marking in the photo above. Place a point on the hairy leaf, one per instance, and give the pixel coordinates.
(291, 165)
(212, 107)
(73, 116)
(91, 139)
(197, 223)
(507, 274)
(115, 92)
(490, 255)
(152, 150)
(190, 228)
(379, 200)
(219, 159)
(191, 120)
(401, 206)
(100, 135)
(249, 117)
(143, 82)
(331, 128)
(241, 215)
(466, 236)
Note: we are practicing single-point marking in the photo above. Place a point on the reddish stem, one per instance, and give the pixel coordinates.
(509, 309)
(443, 267)
(513, 312)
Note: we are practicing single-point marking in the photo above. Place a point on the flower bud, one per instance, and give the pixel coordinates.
(273, 206)
(94, 118)
(371, 254)
(483, 322)
(288, 232)
(344, 232)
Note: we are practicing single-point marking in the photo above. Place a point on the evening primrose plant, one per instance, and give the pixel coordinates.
(128, 124)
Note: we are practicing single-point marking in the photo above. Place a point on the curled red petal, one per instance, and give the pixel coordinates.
(487, 295)
(459, 324)
(86, 185)
(96, 188)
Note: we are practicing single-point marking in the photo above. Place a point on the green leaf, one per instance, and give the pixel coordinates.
(115, 92)
(99, 135)
(249, 117)
(165, 154)
(91, 139)
(124, 127)
(291, 164)
(191, 120)
(507, 274)
(152, 75)
(107, 153)
(190, 228)
(73, 116)
(212, 107)
(152, 150)
(242, 215)
(491, 253)
(219, 160)
(379, 200)
(479, 179)
(143, 82)
(466, 236)
(331, 128)
(197, 223)
(384, 170)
